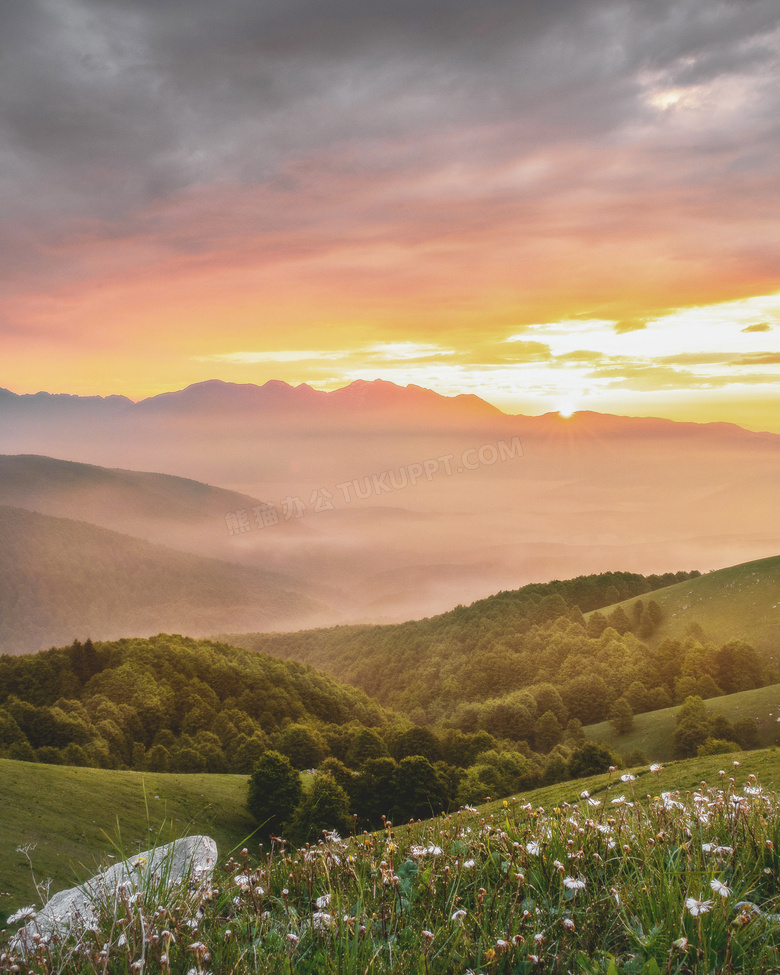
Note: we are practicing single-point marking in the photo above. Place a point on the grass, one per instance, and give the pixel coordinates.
(681, 883)
(652, 733)
(741, 602)
(72, 817)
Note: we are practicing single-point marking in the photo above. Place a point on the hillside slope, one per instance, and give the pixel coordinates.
(738, 602)
(61, 578)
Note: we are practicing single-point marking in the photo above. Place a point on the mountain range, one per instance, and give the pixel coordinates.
(394, 502)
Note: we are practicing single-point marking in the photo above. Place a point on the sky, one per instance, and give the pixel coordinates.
(555, 204)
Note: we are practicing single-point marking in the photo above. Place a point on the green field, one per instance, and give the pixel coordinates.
(71, 818)
(741, 602)
(653, 732)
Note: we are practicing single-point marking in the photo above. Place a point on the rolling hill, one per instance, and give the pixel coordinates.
(61, 578)
(738, 602)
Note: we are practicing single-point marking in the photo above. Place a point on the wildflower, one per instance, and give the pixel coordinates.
(23, 914)
(293, 938)
(584, 794)
(681, 943)
(323, 901)
(568, 924)
(458, 915)
(428, 935)
(656, 767)
(533, 848)
(627, 777)
(469, 864)
(574, 883)
(720, 888)
(697, 907)
(538, 938)
(321, 921)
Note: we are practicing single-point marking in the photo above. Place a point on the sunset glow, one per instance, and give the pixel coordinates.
(565, 209)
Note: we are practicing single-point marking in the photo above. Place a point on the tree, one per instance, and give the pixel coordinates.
(505, 719)
(590, 759)
(324, 808)
(574, 733)
(621, 716)
(746, 733)
(303, 746)
(586, 696)
(716, 746)
(338, 770)
(656, 614)
(274, 791)
(419, 791)
(373, 791)
(693, 727)
(596, 625)
(366, 744)
(548, 732)
(417, 741)
(738, 667)
(248, 752)
(548, 698)
(619, 620)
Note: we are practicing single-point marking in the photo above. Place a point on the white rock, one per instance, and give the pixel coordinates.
(190, 859)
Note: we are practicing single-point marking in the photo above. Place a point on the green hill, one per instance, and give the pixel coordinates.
(739, 602)
(652, 733)
(491, 648)
(109, 809)
(172, 704)
(71, 819)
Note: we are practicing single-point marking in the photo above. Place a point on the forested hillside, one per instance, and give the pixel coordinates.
(505, 663)
(61, 578)
(169, 703)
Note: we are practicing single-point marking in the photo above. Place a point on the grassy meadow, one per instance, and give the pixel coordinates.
(72, 819)
(653, 732)
(741, 602)
(673, 870)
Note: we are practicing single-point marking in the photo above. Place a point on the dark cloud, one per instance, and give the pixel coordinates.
(108, 109)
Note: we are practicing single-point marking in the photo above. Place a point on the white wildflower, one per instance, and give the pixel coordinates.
(23, 914)
(720, 888)
(697, 907)
(573, 883)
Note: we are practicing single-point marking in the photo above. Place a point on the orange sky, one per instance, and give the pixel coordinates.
(567, 208)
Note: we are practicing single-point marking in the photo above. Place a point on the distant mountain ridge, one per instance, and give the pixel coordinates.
(274, 396)
(61, 578)
(489, 501)
(361, 399)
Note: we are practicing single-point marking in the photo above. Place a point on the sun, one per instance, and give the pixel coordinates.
(566, 408)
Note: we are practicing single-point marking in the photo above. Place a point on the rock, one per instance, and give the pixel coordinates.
(191, 859)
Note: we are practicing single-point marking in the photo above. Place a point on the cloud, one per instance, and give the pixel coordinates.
(425, 175)
(758, 327)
